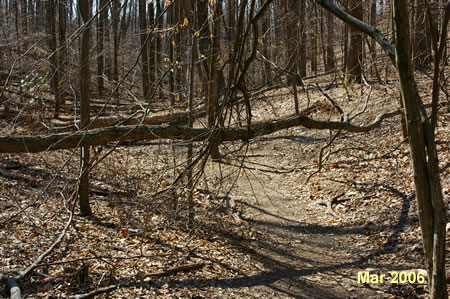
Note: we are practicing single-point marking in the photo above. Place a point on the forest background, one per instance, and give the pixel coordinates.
(133, 131)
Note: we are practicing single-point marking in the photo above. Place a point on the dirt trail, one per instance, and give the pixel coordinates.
(297, 249)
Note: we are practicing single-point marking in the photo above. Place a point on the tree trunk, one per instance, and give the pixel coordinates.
(354, 55)
(108, 67)
(123, 27)
(331, 64)
(213, 77)
(231, 8)
(425, 162)
(62, 11)
(292, 47)
(83, 192)
(152, 48)
(179, 50)
(101, 20)
(421, 51)
(373, 45)
(301, 37)
(54, 55)
(115, 29)
(171, 20)
(16, 17)
(31, 15)
(144, 53)
(203, 43)
(190, 183)
(314, 36)
(102, 136)
(24, 16)
(159, 41)
(265, 43)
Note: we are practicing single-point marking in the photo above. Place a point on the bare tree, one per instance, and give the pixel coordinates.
(425, 163)
(421, 136)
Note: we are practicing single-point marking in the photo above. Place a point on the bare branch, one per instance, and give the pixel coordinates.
(39, 260)
(96, 292)
(369, 30)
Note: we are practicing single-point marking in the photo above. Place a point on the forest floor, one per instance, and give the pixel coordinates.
(267, 223)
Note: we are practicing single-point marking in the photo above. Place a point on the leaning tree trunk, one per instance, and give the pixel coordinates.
(425, 162)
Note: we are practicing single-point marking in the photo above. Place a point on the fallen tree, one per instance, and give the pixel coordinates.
(40, 143)
(109, 121)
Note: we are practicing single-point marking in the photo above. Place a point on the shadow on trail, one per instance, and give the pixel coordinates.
(300, 265)
(293, 274)
(289, 266)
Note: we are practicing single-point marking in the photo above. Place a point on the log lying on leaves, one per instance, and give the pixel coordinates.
(33, 144)
(109, 121)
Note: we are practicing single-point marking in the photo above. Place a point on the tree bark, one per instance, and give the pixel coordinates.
(292, 47)
(314, 36)
(115, 28)
(23, 10)
(152, 46)
(34, 144)
(265, 43)
(424, 157)
(373, 50)
(331, 58)
(83, 191)
(171, 20)
(101, 20)
(62, 12)
(355, 54)
(54, 55)
(301, 37)
(144, 53)
(421, 49)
